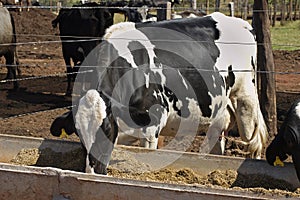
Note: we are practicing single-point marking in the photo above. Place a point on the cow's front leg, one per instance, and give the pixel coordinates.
(151, 133)
(219, 147)
(151, 141)
(88, 167)
(214, 142)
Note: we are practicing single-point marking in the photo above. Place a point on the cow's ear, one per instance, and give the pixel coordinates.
(108, 18)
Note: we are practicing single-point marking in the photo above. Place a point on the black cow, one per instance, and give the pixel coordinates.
(166, 75)
(8, 44)
(80, 31)
(287, 141)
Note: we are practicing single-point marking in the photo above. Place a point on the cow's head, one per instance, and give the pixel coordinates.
(96, 131)
(63, 125)
(276, 150)
(285, 143)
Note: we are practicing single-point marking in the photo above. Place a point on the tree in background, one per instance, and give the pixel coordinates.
(265, 63)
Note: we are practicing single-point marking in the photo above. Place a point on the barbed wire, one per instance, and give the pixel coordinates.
(223, 7)
(89, 39)
(50, 65)
(44, 76)
(88, 71)
(164, 68)
(36, 112)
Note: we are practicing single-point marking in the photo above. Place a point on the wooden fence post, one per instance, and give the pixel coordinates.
(194, 2)
(207, 6)
(169, 11)
(50, 5)
(58, 6)
(231, 8)
(265, 64)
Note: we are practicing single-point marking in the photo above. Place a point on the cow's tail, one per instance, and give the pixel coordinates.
(57, 19)
(16, 58)
(14, 41)
(259, 138)
(55, 22)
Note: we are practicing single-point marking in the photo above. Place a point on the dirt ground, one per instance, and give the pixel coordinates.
(31, 110)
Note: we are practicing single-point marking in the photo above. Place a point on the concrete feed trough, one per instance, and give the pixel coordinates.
(46, 181)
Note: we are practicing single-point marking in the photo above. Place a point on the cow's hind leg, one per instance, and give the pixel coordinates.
(214, 141)
(251, 124)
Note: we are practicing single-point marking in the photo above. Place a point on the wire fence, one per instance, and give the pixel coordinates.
(88, 39)
(222, 8)
(37, 112)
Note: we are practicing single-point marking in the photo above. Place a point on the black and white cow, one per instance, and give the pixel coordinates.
(287, 141)
(8, 44)
(80, 31)
(178, 76)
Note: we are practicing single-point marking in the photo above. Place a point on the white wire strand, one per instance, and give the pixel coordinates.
(35, 112)
(98, 39)
(223, 7)
(121, 67)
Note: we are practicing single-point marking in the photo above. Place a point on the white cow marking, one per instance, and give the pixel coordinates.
(183, 79)
(297, 108)
(88, 119)
(120, 35)
(239, 58)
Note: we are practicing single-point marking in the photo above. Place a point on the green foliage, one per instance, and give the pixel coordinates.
(286, 37)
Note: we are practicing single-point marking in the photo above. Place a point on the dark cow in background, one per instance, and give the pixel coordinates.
(136, 11)
(188, 14)
(287, 141)
(158, 76)
(7, 44)
(20, 3)
(150, 3)
(81, 31)
(25, 4)
(140, 14)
